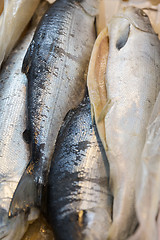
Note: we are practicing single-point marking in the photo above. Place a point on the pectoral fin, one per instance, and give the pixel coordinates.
(104, 111)
(96, 81)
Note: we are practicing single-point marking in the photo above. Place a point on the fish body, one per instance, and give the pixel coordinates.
(132, 98)
(79, 200)
(148, 179)
(13, 20)
(14, 152)
(55, 65)
(132, 80)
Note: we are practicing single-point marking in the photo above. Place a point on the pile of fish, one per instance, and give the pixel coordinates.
(80, 122)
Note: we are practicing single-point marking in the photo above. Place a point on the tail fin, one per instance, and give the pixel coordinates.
(27, 194)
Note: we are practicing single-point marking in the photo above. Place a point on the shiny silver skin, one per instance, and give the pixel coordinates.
(148, 180)
(79, 199)
(14, 152)
(55, 65)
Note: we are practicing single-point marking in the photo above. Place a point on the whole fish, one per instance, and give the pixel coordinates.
(148, 181)
(123, 82)
(79, 200)
(55, 65)
(14, 152)
(13, 20)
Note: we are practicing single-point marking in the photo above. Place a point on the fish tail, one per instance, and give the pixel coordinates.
(124, 214)
(27, 194)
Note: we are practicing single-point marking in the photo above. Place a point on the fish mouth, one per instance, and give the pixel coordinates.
(137, 17)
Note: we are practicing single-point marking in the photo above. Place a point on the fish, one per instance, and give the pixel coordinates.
(12, 23)
(55, 66)
(14, 152)
(148, 180)
(79, 199)
(123, 83)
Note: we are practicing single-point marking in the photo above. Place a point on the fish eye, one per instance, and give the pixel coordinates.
(142, 13)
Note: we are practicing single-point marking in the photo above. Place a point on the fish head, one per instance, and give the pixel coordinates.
(136, 17)
(126, 23)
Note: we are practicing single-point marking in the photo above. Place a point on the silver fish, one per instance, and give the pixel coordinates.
(148, 181)
(79, 199)
(14, 152)
(123, 83)
(55, 65)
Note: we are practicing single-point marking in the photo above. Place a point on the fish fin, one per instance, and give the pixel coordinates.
(104, 111)
(85, 73)
(155, 111)
(123, 38)
(26, 195)
(92, 113)
(96, 81)
(27, 136)
(28, 59)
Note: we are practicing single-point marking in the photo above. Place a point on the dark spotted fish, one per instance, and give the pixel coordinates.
(55, 65)
(79, 200)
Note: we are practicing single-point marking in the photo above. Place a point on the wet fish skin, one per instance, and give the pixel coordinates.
(55, 64)
(12, 23)
(79, 199)
(131, 111)
(14, 152)
(132, 85)
(148, 179)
